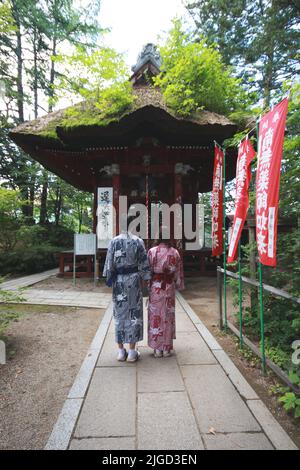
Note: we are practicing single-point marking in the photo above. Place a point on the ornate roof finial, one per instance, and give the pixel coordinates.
(149, 53)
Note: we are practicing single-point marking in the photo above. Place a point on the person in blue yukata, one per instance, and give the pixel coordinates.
(127, 269)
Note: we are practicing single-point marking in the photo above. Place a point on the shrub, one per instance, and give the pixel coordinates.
(194, 77)
(46, 234)
(29, 260)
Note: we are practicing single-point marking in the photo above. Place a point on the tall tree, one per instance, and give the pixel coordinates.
(75, 25)
(31, 34)
(259, 37)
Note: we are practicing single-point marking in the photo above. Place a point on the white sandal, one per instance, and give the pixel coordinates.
(122, 357)
(158, 353)
(134, 359)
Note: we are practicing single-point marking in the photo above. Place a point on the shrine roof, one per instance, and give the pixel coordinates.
(148, 113)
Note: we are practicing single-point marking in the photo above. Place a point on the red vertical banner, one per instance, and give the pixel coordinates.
(271, 135)
(243, 177)
(217, 203)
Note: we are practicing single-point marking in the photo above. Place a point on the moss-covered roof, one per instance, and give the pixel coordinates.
(52, 129)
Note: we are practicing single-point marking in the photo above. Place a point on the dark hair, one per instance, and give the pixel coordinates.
(161, 239)
(130, 218)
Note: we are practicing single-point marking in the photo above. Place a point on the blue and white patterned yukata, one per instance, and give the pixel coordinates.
(126, 265)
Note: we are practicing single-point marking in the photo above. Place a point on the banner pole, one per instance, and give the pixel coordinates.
(224, 241)
(240, 295)
(262, 318)
(261, 294)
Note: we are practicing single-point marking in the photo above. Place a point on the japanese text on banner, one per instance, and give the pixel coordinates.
(243, 177)
(271, 135)
(217, 203)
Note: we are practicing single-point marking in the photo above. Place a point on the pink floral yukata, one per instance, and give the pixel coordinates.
(167, 274)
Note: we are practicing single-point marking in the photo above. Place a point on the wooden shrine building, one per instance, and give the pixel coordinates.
(147, 153)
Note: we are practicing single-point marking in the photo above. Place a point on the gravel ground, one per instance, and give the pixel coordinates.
(48, 346)
(201, 295)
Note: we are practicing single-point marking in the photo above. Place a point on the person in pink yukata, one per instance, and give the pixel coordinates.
(167, 276)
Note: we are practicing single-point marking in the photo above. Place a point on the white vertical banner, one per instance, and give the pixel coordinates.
(105, 216)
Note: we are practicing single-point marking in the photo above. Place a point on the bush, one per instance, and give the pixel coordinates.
(193, 76)
(32, 259)
(46, 234)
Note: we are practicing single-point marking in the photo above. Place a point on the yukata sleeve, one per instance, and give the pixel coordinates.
(108, 270)
(179, 277)
(143, 262)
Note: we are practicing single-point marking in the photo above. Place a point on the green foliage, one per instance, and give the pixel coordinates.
(51, 234)
(32, 248)
(291, 402)
(276, 354)
(5, 318)
(193, 76)
(10, 205)
(101, 79)
(29, 260)
(7, 313)
(259, 37)
(7, 23)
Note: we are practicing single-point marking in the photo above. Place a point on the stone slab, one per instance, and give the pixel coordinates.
(183, 323)
(211, 342)
(82, 380)
(237, 441)
(216, 402)
(63, 429)
(102, 330)
(109, 352)
(105, 443)
(187, 309)
(83, 377)
(191, 349)
(158, 374)
(204, 332)
(166, 421)
(241, 384)
(110, 405)
(277, 435)
(24, 281)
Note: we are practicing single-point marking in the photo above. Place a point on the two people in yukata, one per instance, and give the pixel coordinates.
(128, 269)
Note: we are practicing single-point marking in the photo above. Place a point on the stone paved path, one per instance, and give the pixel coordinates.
(25, 281)
(196, 399)
(67, 297)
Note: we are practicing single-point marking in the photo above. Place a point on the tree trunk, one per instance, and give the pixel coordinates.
(268, 75)
(31, 203)
(35, 75)
(268, 80)
(18, 52)
(58, 205)
(44, 198)
(52, 75)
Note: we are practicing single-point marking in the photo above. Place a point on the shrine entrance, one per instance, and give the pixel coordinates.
(147, 182)
(149, 154)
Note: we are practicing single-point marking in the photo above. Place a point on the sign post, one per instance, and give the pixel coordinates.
(84, 244)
